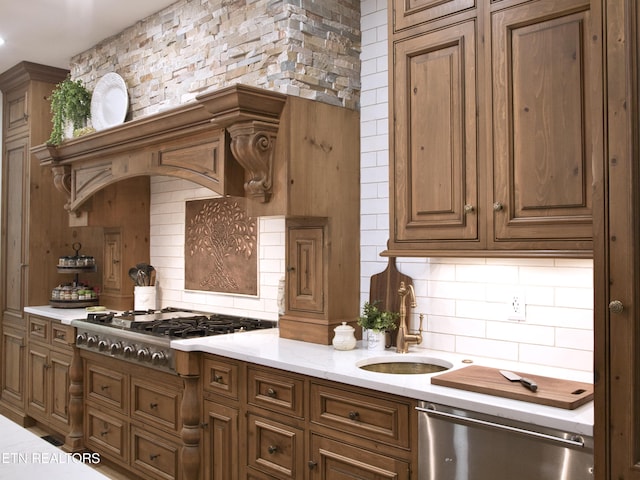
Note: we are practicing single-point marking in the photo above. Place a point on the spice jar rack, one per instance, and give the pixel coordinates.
(75, 294)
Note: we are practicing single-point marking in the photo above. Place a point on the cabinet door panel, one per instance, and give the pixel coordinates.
(15, 173)
(17, 116)
(305, 271)
(275, 448)
(542, 122)
(60, 381)
(38, 384)
(407, 13)
(435, 140)
(13, 371)
(220, 442)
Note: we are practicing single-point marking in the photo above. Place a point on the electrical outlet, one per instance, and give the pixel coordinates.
(516, 306)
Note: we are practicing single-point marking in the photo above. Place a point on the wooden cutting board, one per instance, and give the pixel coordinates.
(383, 288)
(554, 392)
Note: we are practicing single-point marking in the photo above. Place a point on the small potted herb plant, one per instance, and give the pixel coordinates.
(70, 104)
(378, 323)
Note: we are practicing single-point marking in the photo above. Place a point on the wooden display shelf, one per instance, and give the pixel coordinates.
(74, 303)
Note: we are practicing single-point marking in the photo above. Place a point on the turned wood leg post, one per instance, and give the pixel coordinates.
(188, 367)
(74, 441)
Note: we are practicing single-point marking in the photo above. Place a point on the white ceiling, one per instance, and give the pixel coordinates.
(50, 32)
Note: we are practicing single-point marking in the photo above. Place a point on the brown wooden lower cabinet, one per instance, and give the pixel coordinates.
(13, 368)
(49, 357)
(282, 425)
(132, 416)
(335, 459)
(221, 441)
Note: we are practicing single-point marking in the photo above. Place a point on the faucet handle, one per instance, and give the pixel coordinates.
(421, 317)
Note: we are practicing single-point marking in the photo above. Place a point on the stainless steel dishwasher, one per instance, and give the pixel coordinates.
(457, 444)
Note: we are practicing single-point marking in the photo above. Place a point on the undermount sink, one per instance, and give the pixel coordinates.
(404, 365)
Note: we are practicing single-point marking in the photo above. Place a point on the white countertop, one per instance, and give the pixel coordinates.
(65, 315)
(265, 347)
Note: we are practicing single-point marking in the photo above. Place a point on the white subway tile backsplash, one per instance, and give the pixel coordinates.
(521, 332)
(469, 327)
(482, 347)
(572, 359)
(574, 338)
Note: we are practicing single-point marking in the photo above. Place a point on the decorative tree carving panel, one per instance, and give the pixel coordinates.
(221, 247)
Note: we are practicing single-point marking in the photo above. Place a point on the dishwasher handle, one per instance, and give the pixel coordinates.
(575, 441)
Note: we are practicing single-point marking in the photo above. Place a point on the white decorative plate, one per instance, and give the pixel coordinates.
(109, 102)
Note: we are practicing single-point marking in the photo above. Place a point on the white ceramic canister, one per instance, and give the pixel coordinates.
(344, 338)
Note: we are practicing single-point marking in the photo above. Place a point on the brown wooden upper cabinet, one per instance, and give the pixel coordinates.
(494, 114)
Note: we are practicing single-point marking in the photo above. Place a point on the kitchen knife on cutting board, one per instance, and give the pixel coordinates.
(514, 377)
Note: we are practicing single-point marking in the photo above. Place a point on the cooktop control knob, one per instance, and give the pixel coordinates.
(158, 358)
(129, 351)
(103, 345)
(116, 348)
(92, 340)
(81, 338)
(144, 355)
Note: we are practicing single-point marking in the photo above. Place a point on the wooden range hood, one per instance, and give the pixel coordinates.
(289, 156)
(223, 141)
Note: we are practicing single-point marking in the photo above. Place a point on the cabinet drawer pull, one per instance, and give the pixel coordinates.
(217, 378)
(152, 457)
(271, 393)
(272, 449)
(497, 206)
(61, 335)
(469, 208)
(153, 405)
(104, 387)
(312, 464)
(354, 415)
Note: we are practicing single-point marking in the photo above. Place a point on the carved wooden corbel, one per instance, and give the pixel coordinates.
(62, 180)
(253, 145)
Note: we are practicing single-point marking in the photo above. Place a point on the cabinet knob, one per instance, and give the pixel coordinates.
(217, 378)
(354, 415)
(469, 208)
(272, 449)
(291, 269)
(312, 464)
(271, 393)
(616, 306)
(497, 206)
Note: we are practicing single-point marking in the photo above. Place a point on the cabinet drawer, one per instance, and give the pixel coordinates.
(154, 455)
(107, 386)
(334, 459)
(377, 419)
(39, 329)
(276, 391)
(155, 405)
(62, 335)
(221, 377)
(275, 448)
(106, 434)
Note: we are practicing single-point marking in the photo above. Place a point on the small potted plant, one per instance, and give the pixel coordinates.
(70, 105)
(378, 323)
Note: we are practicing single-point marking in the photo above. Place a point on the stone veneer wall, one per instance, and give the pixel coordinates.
(305, 48)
